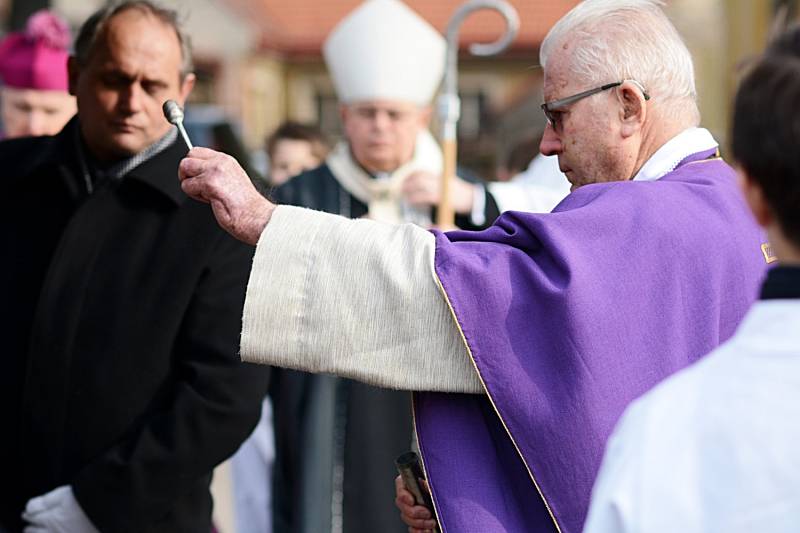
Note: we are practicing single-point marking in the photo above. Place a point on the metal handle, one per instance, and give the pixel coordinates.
(479, 49)
(449, 105)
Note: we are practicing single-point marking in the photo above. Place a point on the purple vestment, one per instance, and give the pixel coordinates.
(568, 317)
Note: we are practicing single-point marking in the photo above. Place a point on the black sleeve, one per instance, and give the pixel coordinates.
(289, 390)
(490, 213)
(213, 405)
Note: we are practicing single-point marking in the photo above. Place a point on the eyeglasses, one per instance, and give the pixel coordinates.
(551, 109)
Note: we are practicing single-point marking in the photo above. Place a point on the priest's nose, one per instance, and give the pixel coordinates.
(551, 142)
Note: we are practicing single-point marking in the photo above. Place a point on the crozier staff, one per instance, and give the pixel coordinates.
(449, 102)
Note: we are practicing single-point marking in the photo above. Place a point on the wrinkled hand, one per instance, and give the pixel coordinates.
(422, 188)
(417, 517)
(217, 179)
(56, 512)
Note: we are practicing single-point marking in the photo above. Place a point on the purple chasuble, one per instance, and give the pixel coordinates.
(568, 317)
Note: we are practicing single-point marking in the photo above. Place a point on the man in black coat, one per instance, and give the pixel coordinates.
(121, 386)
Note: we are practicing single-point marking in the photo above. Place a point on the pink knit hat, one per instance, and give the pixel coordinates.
(37, 57)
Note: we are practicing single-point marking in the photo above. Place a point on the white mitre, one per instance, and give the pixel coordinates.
(383, 50)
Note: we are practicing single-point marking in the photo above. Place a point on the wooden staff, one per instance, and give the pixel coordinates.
(449, 105)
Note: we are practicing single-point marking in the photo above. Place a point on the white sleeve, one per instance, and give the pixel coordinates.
(536, 190)
(478, 213)
(526, 197)
(355, 298)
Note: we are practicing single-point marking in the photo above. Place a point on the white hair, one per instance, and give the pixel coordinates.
(613, 40)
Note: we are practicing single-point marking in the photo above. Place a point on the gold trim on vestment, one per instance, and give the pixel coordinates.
(766, 248)
(422, 461)
(491, 401)
(716, 157)
(769, 254)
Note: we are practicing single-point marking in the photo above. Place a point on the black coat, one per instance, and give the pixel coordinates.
(318, 189)
(121, 314)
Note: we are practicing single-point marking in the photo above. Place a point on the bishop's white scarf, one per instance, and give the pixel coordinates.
(383, 194)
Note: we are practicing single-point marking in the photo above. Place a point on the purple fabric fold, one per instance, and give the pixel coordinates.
(569, 316)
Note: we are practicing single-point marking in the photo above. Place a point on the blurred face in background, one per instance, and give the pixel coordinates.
(383, 134)
(289, 158)
(134, 66)
(31, 112)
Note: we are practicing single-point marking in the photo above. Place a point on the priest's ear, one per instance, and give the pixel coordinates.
(633, 106)
(754, 195)
(425, 114)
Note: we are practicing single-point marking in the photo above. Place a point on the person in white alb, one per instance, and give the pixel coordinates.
(714, 448)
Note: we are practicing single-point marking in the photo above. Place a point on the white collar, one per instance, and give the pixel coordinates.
(675, 150)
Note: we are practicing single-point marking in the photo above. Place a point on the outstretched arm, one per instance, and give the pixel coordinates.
(354, 298)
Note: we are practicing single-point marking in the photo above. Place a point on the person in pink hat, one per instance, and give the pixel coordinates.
(34, 96)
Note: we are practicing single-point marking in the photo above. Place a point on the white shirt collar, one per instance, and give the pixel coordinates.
(675, 150)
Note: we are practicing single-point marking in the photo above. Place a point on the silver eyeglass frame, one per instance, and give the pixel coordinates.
(554, 105)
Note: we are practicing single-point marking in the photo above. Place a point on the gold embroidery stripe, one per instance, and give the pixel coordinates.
(491, 400)
(710, 159)
(422, 459)
(766, 248)
(769, 253)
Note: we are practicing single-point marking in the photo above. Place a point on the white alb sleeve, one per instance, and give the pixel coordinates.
(355, 298)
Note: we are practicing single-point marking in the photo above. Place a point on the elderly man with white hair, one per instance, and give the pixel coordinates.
(526, 341)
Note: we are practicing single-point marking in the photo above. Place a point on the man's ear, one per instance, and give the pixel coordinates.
(186, 87)
(425, 114)
(344, 114)
(633, 108)
(754, 195)
(73, 73)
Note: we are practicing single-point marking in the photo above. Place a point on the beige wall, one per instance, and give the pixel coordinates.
(274, 90)
(263, 94)
(722, 35)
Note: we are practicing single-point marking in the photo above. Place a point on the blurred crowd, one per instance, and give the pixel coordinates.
(129, 306)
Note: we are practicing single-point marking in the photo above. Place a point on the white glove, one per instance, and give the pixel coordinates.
(56, 512)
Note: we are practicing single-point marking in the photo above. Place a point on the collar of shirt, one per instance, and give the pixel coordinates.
(666, 158)
(119, 169)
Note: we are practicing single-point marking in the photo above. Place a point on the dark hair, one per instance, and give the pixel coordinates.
(295, 131)
(787, 42)
(766, 135)
(87, 35)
